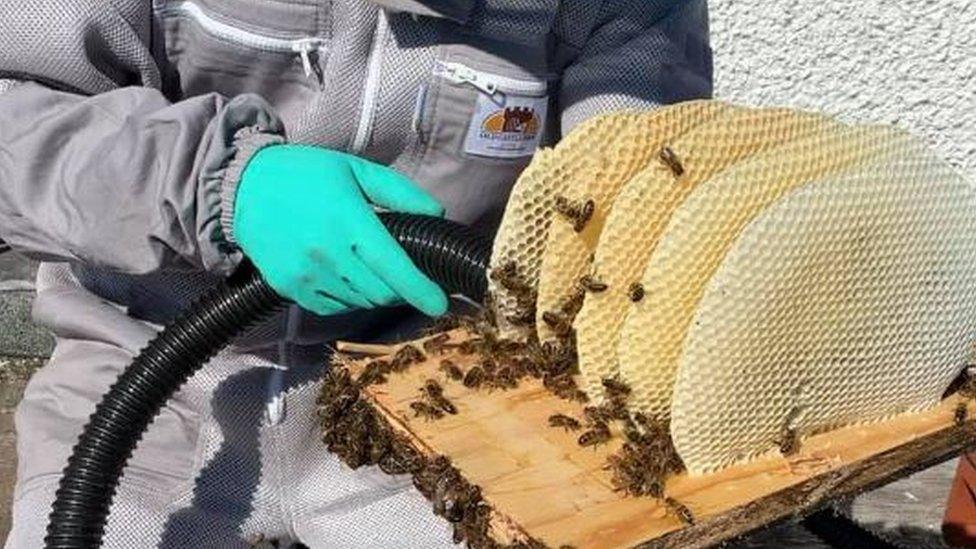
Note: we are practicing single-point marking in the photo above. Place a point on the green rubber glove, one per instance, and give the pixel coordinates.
(303, 216)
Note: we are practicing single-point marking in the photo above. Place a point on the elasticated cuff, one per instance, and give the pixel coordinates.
(247, 141)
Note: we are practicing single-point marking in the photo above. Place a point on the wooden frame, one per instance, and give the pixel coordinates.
(542, 487)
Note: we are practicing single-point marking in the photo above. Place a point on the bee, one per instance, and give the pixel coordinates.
(401, 459)
(599, 434)
(591, 284)
(635, 292)
(580, 215)
(578, 395)
(426, 411)
(451, 370)
(435, 396)
(405, 356)
(474, 377)
(960, 414)
(522, 316)
(680, 510)
(432, 389)
(597, 414)
(671, 160)
(508, 277)
(504, 378)
(652, 427)
(615, 388)
(467, 347)
(435, 345)
(564, 421)
(375, 372)
(559, 323)
(789, 442)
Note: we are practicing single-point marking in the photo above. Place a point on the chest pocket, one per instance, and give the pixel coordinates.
(478, 121)
(272, 48)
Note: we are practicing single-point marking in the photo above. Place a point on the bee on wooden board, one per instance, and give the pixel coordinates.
(436, 344)
(435, 396)
(374, 372)
(405, 356)
(564, 421)
(474, 378)
(599, 434)
(504, 378)
(598, 414)
(426, 411)
(451, 370)
(680, 510)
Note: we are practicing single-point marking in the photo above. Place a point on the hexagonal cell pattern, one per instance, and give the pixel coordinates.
(700, 232)
(644, 207)
(612, 159)
(851, 299)
(522, 234)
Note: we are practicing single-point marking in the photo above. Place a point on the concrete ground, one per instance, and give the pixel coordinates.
(909, 512)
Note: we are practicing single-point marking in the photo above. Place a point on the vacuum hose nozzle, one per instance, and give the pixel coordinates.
(451, 254)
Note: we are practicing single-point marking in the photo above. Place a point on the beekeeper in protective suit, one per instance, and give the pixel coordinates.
(147, 146)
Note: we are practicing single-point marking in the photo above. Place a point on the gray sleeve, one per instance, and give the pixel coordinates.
(96, 164)
(641, 54)
(124, 179)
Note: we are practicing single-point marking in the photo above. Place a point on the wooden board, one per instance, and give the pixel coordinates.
(542, 485)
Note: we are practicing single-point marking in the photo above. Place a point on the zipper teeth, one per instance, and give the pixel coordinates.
(502, 83)
(367, 110)
(233, 34)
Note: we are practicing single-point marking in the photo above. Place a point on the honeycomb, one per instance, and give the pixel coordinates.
(700, 232)
(644, 207)
(613, 158)
(849, 300)
(525, 223)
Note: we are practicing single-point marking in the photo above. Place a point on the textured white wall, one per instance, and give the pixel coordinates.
(907, 62)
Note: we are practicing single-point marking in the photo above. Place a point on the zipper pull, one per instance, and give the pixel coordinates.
(304, 49)
(461, 74)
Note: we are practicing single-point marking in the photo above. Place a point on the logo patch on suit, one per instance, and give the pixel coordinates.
(509, 127)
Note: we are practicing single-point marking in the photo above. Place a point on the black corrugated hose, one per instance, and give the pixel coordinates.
(453, 255)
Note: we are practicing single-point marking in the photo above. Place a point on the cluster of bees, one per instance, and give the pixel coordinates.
(647, 456)
(353, 431)
(639, 468)
(500, 365)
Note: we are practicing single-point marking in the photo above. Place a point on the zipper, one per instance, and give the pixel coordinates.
(486, 82)
(305, 47)
(371, 88)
